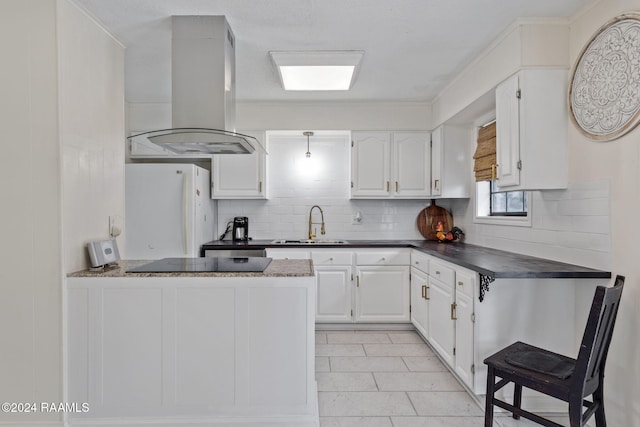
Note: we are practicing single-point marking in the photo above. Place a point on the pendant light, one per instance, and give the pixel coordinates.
(308, 134)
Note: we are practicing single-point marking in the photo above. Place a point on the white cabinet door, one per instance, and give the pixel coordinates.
(419, 301)
(451, 161)
(508, 132)
(441, 325)
(531, 130)
(382, 294)
(239, 176)
(436, 161)
(333, 303)
(464, 338)
(370, 164)
(411, 164)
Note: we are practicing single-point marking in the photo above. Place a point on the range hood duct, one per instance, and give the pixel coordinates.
(202, 91)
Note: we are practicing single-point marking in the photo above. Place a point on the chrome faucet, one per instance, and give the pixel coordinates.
(312, 234)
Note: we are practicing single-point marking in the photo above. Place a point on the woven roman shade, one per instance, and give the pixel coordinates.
(485, 155)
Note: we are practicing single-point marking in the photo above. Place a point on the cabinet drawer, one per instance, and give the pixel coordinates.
(331, 258)
(465, 282)
(420, 261)
(441, 272)
(288, 254)
(383, 257)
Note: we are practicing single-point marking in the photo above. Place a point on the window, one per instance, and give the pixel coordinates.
(507, 203)
(502, 208)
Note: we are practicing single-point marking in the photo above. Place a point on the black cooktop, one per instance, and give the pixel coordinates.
(204, 265)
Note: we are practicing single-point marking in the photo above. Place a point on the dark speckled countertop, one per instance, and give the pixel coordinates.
(493, 263)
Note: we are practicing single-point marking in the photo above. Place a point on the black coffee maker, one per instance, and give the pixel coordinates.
(240, 228)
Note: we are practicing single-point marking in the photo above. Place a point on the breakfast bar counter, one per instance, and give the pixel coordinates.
(492, 263)
(276, 268)
(194, 348)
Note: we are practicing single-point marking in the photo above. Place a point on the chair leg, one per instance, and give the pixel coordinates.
(488, 410)
(517, 399)
(598, 399)
(575, 413)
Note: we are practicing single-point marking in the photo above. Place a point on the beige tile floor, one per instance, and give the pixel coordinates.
(391, 379)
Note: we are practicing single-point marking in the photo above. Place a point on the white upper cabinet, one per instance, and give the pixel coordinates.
(390, 165)
(411, 159)
(240, 176)
(451, 162)
(531, 130)
(370, 164)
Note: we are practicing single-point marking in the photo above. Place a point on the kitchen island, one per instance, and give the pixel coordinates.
(192, 348)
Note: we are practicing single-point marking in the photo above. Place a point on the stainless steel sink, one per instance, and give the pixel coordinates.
(309, 242)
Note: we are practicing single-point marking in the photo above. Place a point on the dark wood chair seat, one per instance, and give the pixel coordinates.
(556, 375)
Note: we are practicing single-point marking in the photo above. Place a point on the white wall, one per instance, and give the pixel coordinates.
(92, 130)
(31, 272)
(40, 122)
(570, 226)
(300, 115)
(617, 162)
(576, 225)
(297, 183)
(528, 42)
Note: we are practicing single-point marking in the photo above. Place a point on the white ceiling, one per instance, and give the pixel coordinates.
(412, 47)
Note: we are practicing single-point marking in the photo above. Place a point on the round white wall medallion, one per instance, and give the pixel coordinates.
(604, 94)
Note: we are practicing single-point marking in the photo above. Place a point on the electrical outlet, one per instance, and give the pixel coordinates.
(115, 225)
(357, 218)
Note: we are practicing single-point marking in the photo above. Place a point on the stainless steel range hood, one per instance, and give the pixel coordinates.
(203, 90)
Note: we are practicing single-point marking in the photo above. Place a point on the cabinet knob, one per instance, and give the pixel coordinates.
(437, 272)
(460, 283)
(417, 263)
(331, 259)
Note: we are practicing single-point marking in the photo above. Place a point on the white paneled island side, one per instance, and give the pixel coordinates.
(192, 348)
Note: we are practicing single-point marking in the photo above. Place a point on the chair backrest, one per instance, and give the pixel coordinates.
(597, 337)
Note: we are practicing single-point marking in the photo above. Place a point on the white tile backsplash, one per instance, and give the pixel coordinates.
(294, 189)
(571, 225)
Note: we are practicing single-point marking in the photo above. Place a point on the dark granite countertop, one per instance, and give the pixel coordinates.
(494, 263)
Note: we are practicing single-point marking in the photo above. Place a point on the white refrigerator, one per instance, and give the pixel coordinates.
(169, 212)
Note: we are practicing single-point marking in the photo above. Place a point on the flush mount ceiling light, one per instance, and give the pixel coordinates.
(308, 134)
(317, 70)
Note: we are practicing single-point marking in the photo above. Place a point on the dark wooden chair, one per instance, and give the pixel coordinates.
(567, 379)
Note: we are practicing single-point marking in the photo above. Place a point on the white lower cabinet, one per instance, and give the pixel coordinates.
(334, 287)
(420, 301)
(441, 323)
(368, 285)
(442, 310)
(382, 294)
(382, 285)
(465, 321)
